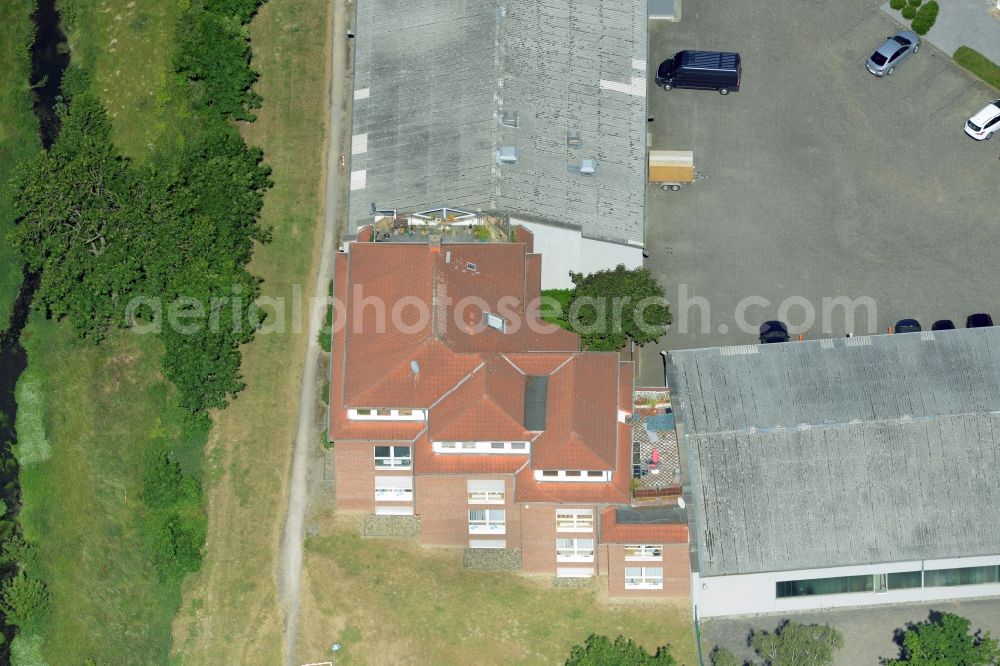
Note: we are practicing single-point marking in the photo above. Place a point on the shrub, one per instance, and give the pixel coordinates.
(916, 3)
(23, 600)
(178, 527)
(926, 16)
(897, 4)
(722, 657)
(909, 11)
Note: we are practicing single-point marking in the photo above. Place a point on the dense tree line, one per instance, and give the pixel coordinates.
(105, 233)
(174, 234)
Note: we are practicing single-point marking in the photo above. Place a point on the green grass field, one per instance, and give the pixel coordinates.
(18, 130)
(394, 602)
(106, 412)
(978, 64)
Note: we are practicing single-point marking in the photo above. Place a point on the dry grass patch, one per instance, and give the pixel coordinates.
(395, 602)
(231, 612)
(128, 46)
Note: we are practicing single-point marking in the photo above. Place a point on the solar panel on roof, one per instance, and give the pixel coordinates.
(536, 391)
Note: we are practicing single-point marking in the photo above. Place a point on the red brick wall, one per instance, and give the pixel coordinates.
(442, 502)
(355, 464)
(538, 537)
(676, 572)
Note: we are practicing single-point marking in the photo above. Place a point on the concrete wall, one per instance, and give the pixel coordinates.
(564, 250)
(717, 596)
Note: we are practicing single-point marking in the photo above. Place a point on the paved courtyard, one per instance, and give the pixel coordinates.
(868, 632)
(821, 180)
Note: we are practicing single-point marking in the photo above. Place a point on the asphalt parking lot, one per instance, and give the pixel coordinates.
(821, 181)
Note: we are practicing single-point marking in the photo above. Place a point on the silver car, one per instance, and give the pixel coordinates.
(895, 50)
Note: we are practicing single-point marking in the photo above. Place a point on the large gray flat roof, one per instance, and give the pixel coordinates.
(842, 452)
(432, 78)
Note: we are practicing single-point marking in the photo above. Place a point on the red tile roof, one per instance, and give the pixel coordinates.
(582, 406)
(471, 378)
(426, 461)
(527, 489)
(614, 532)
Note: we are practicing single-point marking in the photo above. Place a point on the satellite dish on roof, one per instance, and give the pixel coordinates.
(415, 367)
(681, 503)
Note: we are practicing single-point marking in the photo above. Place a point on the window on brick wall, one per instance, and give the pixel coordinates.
(393, 488)
(392, 457)
(486, 491)
(639, 552)
(574, 550)
(574, 520)
(487, 521)
(643, 578)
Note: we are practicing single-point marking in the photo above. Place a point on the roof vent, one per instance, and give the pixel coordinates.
(574, 139)
(588, 166)
(507, 155)
(509, 118)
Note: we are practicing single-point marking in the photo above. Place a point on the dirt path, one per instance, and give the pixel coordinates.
(308, 429)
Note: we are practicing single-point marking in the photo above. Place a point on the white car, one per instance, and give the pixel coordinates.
(985, 123)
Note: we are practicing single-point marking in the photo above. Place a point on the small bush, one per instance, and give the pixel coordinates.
(897, 4)
(925, 18)
(24, 600)
(978, 64)
(909, 11)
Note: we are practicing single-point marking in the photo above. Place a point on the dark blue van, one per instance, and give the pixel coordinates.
(703, 70)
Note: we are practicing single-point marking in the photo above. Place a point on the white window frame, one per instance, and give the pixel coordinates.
(574, 549)
(394, 461)
(393, 488)
(487, 521)
(573, 475)
(643, 552)
(385, 414)
(644, 578)
(574, 520)
(506, 448)
(486, 491)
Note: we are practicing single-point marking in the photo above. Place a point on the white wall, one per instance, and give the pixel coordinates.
(564, 250)
(747, 594)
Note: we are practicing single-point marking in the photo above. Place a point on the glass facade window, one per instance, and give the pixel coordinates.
(904, 580)
(963, 576)
(812, 586)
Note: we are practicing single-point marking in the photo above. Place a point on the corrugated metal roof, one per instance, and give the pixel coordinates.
(440, 73)
(811, 455)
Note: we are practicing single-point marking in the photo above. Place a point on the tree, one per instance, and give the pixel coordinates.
(611, 307)
(23, 600)
(794, 644)
(944, 640)
(601, 651)
(722, 657)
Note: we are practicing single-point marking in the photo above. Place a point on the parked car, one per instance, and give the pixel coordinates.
(986, 123)
(893, 51)
(907, 326)
(978, 320)
(703, 70)
(943, 325)
(773, 331)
